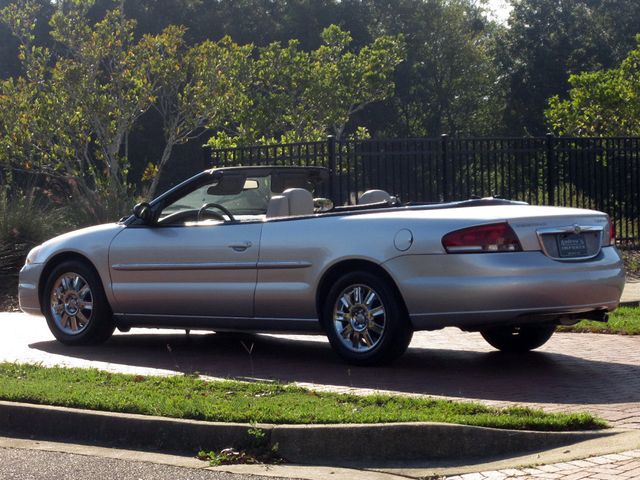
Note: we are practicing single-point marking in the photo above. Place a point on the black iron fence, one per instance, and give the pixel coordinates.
(596, 173)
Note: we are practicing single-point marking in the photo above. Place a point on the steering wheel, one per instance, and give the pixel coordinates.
(224, 210)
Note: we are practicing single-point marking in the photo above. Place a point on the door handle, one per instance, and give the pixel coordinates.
(240, 247)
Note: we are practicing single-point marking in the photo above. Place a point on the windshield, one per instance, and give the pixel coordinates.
(252, 199)
(245, 196)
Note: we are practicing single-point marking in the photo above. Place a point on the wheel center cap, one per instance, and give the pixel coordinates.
(359, 320)
(71, 306)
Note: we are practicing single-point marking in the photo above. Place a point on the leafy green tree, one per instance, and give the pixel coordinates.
(10, 64)
(71, 117)
(296, 95)
(450, 82)
(346, 82)
(73, 110)
(548, 40)
(603, 103)
(32, 107)
(105, 79)
(196, 86)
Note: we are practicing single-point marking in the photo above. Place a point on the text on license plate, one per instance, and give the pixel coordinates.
(571, 245)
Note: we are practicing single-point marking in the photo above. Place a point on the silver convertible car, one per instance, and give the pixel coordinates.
(251, 249)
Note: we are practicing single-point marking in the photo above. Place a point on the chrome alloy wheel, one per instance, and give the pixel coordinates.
(71, 303)
(359, 318)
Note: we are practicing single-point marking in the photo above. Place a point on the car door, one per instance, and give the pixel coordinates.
(186, 270)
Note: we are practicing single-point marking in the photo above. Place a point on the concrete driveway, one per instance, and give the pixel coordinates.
(572, 372)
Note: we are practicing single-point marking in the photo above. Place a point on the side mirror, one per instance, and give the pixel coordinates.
(143, 211)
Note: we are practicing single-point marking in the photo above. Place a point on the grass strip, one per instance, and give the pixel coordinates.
(187, 396)
(622, 321)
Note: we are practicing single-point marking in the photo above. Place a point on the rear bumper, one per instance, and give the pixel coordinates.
(28, 288)
(475, 290)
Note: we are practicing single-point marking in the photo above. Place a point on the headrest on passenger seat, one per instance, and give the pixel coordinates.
(374, 196)
(292, 202)
(278, 206)
(300, 201)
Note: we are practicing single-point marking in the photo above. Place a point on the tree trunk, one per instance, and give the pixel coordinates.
(166, 154)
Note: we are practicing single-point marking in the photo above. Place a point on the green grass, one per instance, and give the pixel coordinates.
(623, 321)
(232, 401)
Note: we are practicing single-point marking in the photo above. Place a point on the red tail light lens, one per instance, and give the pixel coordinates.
(497, 237)
(612, 233)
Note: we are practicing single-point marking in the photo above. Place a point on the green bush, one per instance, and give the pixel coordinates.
(27, 219)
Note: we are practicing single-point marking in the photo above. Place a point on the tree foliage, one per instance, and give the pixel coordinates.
(199, 86)
(72, 111)
(600, 103)
(548, 40)
(450, 82)
(77, 109)
(295, 95)
(108, 92)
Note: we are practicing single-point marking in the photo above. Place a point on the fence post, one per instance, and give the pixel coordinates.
(331, 150)
(551, 169)
(444, 138)
(207, 157)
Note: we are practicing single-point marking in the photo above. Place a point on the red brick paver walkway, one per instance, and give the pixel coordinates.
(625, 465)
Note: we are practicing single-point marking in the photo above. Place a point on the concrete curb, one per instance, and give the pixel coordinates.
(632, 303)
(375, 445)
(630, 294)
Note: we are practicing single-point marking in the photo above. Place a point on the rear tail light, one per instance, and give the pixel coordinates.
(612, 233)
(497, 237)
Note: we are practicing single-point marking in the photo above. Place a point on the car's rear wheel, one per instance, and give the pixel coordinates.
(520, 338)
(75, 306)
(365, 321)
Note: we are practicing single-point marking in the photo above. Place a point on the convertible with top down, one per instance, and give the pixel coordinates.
(257, 249)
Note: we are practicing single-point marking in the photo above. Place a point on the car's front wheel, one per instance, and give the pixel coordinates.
(520, 338)
(75, 305)
(365, 321)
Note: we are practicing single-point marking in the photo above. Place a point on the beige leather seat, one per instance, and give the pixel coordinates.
(292, 202)
(374, 196)
(300, 201)
(278, 206)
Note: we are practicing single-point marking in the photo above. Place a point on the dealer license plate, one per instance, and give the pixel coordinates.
(571, 245)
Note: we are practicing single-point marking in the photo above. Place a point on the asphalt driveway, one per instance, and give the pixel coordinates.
(598, 373)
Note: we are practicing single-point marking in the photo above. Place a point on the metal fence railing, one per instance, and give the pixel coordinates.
(596, 173)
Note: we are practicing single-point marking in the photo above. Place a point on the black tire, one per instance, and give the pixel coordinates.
(379, 345)
(73, 286)
(518, 338)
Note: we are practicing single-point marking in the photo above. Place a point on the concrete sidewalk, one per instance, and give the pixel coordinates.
(631, 294)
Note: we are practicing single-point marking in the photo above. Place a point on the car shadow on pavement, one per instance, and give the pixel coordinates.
(535, 377)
